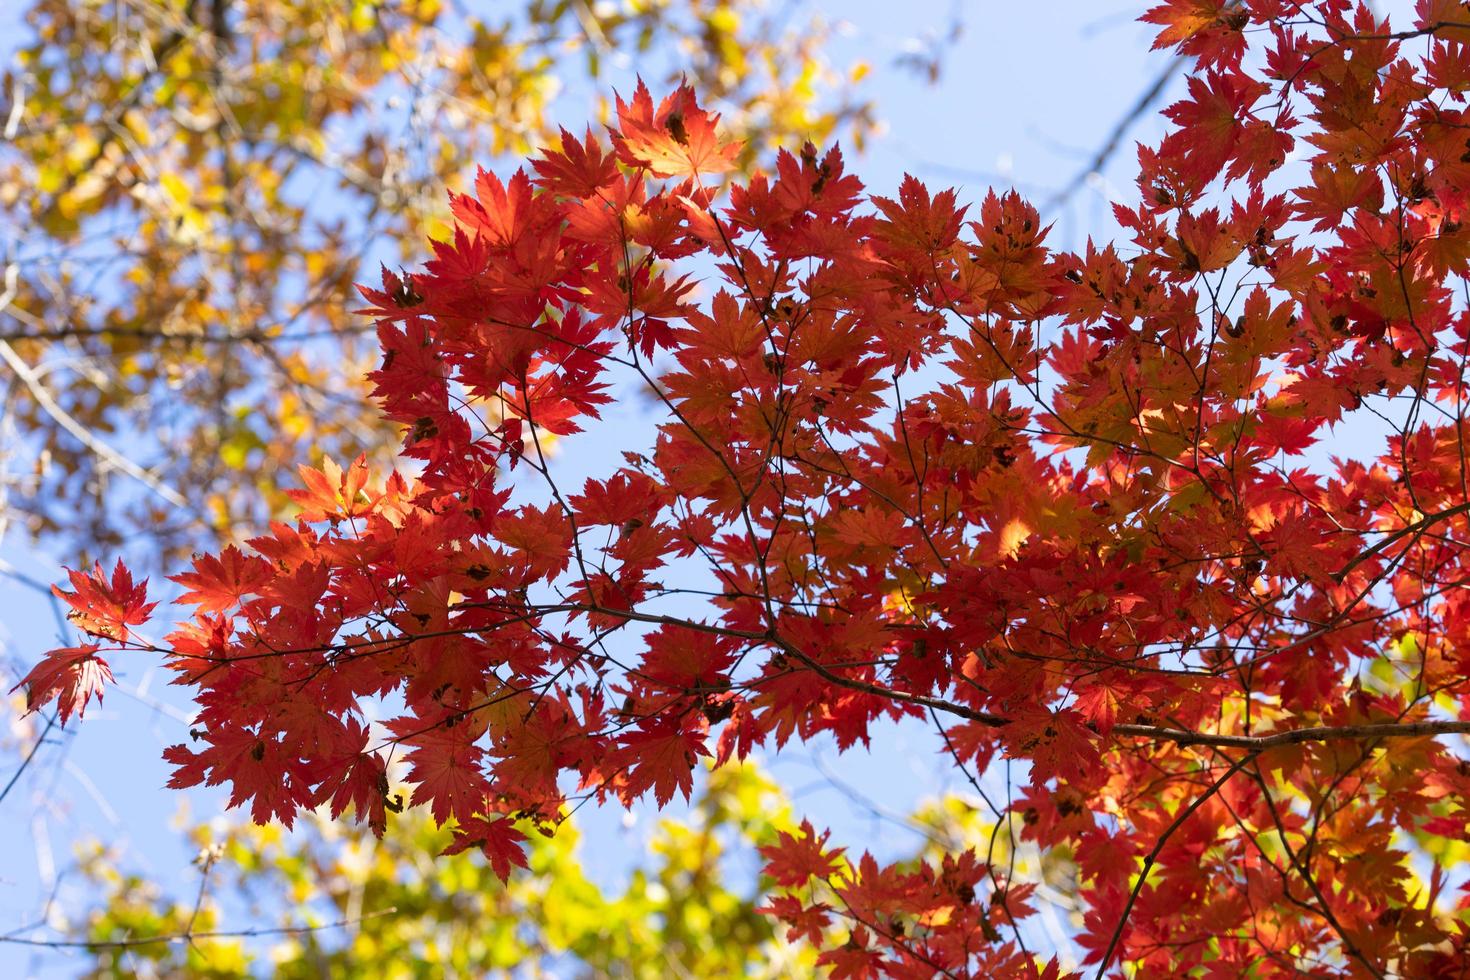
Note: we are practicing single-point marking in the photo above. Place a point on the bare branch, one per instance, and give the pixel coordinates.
(189, 937)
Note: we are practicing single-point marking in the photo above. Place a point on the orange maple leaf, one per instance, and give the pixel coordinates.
(676, 140)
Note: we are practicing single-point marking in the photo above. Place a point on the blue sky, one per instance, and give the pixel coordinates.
(1028, 94)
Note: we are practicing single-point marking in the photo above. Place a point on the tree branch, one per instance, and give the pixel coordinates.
(1148, 861)
(188, 937)
(1325, 733)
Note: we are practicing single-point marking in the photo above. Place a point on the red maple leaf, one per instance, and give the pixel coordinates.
(218, 584)
(444, 766)
(1209, 121)
(71, 675)
(1210, 30)
(261, 770)
(660, 756)
(497, 839)
(676, 140)
(795, 859)
(106, 608)
(578, 169)
(330, 493)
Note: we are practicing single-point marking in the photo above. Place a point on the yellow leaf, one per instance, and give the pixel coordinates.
(1012, 535)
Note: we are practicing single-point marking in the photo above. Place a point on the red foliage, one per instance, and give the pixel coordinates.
(911, 460)
(71, 675)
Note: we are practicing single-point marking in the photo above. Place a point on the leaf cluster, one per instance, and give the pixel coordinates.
(910, 460)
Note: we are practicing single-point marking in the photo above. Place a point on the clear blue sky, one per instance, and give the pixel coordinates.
(1028, 94)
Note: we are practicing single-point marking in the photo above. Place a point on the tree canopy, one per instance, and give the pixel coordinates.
(1175, 526)
(189, 189)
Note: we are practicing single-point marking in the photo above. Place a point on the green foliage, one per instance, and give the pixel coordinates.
(691, 910)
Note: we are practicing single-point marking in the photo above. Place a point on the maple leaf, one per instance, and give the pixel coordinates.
(1098, 702)
(260, 769)
(1261, 148)
(103, 607)
(741, 734)
(356, 778)
(1106, 860)
(1336, 190)
(1209, 123)
(806, 921)
(676, 140)
(497, 839)
(578, 169)
(219, 583)
(1211, 30)
(1057, 743)
(921, 221)
(685, 658)
(444, 766)
(628, 496)
(854, 959)
(797, 858)
(500, 214)
(71, 675)
(1205, 242)
(659, 756)
(330, 493)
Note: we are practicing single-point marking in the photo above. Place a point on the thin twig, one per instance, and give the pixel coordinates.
(1148, 861)
(25, 763)
(188, 937)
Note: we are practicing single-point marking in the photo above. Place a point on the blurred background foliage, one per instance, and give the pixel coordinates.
(392, 909)
(691, 912)
(189, 189)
